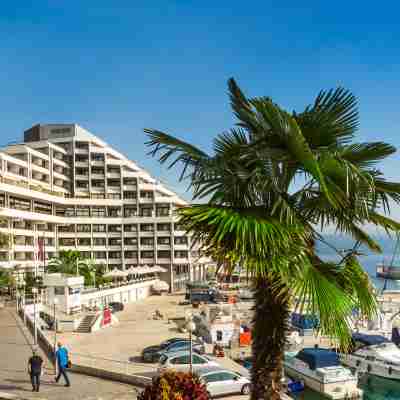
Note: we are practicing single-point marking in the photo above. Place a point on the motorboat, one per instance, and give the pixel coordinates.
(321, 371)
(374, 355)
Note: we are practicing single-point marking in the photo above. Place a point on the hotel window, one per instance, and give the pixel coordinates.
(114, 196)
(98, 212)
(130, 195)
(97, 170)
(114, 242)
(144, 194)
(100, 254)
(114, 183)
(162, 211)
(99, 241)
(66, 241)
(181, 254)
(83, 228)
(20, 204)
(145, 212)
(179, 227)
(130, 228)
(164, 240)
(114, 254)
(147, 254)
(164, 227)
(84, 242)
(129, 181)
(130, 211)
(97, 157)
(82, 211)
(114, 212)
(113, 170)
(114, 228)
(130, 254)
(181, 240)
(99, 228)
(86, 254)
(66, 228)
(2, 200)
(98, 196)
(97, 184)
(81, 171)
(147, 241)
(43, 208)
(163, 254)
(81, 158)
(146, 227)
(82, 185)
(81, 145)
(130, 241)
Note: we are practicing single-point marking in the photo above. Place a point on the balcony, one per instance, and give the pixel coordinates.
(98, 176)
(81, 150)
(147, 260)
(82, 164)
(113, 175)
(115, 260)
(146, 200)
(132, 188)
(181, 260)
(164, 247)
(82, 177)
(131, 260)
(146, 247)
(147, 233)
(40, 169)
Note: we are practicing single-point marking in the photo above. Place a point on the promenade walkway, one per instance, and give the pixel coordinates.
(15, 350)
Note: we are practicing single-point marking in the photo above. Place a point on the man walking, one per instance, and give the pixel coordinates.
(62, 363)
(35, 370)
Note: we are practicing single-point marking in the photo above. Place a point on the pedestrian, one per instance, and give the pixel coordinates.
(62, 363)
(35, 370)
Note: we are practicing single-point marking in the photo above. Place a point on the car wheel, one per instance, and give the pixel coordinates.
(246, 389)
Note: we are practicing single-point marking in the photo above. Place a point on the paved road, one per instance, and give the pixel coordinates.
(15, 349)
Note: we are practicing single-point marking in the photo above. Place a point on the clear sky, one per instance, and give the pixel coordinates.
(116, 67)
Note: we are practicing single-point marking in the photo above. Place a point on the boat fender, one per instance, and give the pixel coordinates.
(369, 368)
(390, 370)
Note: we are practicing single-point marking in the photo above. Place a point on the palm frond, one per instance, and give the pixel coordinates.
(331, 120)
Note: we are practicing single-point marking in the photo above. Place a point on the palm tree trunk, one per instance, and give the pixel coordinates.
(270, 325)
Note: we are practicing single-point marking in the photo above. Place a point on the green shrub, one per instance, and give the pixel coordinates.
(175, 386)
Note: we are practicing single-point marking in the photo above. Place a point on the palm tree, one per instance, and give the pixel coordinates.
(89, 270)
(67, 262)
(272, 186)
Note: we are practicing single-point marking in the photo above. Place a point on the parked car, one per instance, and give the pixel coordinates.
(220, 381)
(116, 306)
(153, 353)
(180, 361)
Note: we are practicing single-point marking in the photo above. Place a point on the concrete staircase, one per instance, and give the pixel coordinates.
(86, 324)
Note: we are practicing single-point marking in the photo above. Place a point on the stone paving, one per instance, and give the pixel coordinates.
(15, 350)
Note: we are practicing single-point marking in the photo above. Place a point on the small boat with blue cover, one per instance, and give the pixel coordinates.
(321, 371)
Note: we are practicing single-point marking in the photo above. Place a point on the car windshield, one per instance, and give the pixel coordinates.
(163, 359)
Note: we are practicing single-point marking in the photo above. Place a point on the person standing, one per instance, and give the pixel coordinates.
(35, 370)
(62, 363)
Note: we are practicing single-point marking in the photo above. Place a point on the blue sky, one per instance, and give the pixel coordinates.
(117, 67)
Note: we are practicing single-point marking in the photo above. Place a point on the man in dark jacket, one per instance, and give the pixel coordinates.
(35, 370)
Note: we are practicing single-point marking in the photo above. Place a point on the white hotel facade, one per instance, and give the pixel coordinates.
(67, 187)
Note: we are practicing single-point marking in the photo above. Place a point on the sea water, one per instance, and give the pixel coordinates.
(375, 388)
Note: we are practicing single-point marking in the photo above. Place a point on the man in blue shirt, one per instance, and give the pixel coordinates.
(62, 363)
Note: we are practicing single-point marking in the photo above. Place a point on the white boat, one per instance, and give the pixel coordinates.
(321, 371)
(375, 355)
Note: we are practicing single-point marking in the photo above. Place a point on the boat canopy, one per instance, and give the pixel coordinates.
(318, 358)
(305, 321)
(369, 340)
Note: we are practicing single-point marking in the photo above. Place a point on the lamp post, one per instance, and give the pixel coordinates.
(190, 326)
(34, 291)
(55, 302)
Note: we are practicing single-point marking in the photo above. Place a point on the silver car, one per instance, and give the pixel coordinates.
(222, 382)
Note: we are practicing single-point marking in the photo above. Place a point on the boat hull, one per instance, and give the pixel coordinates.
(387, 272)
(362, 365)
(337, 390)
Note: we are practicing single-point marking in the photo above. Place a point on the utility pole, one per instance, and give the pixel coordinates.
(34, 291)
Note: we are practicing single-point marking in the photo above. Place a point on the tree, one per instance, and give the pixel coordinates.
(272, 186)
(88, 270)
(67, 262)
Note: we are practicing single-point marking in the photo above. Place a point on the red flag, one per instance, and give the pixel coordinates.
(41, 249)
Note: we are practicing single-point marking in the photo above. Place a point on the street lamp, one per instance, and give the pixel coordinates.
(190, 326)
(34, 291)
(55, 302)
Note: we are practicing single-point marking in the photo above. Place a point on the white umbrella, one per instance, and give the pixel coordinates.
(160, 286)
(157, 268)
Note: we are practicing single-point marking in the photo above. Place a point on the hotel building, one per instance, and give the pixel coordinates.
(67, 188)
